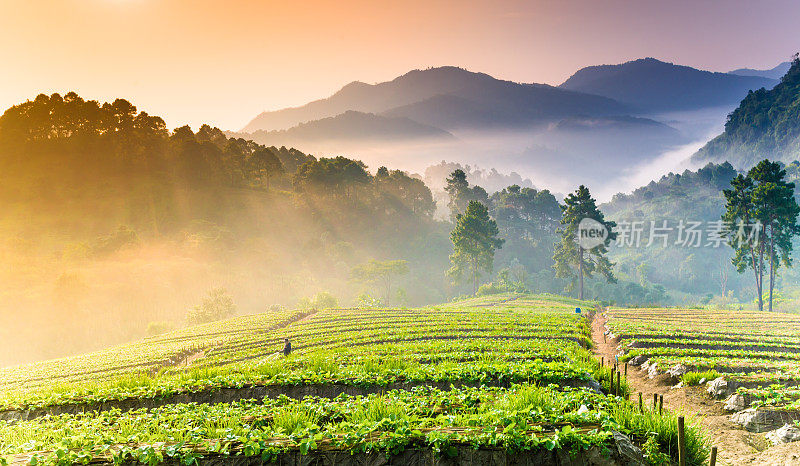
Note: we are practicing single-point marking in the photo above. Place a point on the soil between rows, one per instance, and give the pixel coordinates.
(736, 446)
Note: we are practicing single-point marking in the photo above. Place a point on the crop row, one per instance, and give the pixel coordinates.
(751, 348)
(521, 418)
(456, 343)
(149, 354)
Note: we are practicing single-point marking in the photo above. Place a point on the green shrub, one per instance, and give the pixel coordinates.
(366, 301)
(664, 429)
(322, 300)
(490, 289)
(217, 305)
(325, 300)
(159, 327)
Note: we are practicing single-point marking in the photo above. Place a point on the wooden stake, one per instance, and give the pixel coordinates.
(660, 404)
(655, 401)
(619, 391)
(641, 406)
(681, 443)
(626, 368)
(611, 384)
(713, 461)
(602, 361)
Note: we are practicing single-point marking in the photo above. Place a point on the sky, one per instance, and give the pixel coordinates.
(223, 62)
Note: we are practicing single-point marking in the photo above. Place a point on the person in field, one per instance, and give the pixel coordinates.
(287, 349)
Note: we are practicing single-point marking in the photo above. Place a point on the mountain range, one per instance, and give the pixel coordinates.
(652, 86)
(352, 125)
(447, 97)
(602, 123)
(450, 99)
(772, 73)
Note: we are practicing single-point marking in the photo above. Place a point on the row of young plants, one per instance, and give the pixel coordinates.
(336, 328)
(750, 348)
(725, 323)
(773, 396)
(146, 355)
(523, 417)
(506, 346)
(785, 346)
(376, 372)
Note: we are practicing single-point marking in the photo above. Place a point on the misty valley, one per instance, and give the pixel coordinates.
(438, 266)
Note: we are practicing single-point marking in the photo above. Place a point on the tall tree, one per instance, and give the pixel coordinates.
(570, 256)
(380, 273)
(474, 244)
(528, 220)
(460, 193)
(763, 202)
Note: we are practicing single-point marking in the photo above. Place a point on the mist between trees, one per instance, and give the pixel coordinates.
(113, 226)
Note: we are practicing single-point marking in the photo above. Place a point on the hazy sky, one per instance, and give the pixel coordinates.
(223, 62)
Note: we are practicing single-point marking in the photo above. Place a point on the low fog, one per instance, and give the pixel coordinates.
(99, 252)
(609, 155)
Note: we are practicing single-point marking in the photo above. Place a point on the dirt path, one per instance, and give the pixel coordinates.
(736, 446)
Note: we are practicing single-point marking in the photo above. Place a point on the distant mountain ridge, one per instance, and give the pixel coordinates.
(351, 125)
(652, 86)
(469, 99)
(773, 73)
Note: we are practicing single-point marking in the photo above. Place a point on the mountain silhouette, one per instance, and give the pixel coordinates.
(653, 86)
(773, 73)
(350, 126)
(447, 97)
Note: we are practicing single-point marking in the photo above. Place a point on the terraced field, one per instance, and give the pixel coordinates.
(750, 358)
(497, 376)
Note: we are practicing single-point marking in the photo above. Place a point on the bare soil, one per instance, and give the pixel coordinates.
(735, 445)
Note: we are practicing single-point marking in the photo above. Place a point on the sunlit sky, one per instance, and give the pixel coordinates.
(223, 62)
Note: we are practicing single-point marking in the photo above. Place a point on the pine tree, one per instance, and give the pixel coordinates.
(569, 255)
(761, 219)
(474, 244)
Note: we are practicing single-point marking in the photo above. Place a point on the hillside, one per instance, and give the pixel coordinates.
(469, 98)
(766, 124)
(114, 224)
(653, 86)
(507, 378)
(691, 196)
(350, 126)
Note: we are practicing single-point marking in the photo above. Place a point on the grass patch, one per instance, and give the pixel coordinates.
(663, 429)
(694, 378)
(378, 410)
(293, 418)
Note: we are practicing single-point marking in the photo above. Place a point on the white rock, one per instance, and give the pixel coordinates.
(652, 371)
(582, 409)
(630, 454)
(718, 387)
(735, 402)
(785, 434)
(677, 371)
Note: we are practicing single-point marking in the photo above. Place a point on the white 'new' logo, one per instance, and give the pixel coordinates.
(591, 233)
